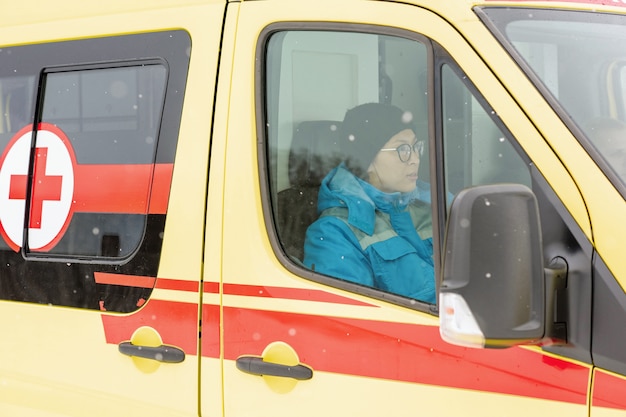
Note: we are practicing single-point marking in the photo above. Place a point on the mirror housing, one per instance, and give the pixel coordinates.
(492, 292)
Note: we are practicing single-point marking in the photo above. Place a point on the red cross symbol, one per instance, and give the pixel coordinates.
(45, 187)
(49, 192)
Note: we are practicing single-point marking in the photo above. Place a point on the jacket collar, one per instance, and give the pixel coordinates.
(341, 188)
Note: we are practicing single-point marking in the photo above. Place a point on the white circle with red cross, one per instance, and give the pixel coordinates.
(51, 188)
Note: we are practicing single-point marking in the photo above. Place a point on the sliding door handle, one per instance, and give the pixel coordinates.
(255, 365)
(163, 353)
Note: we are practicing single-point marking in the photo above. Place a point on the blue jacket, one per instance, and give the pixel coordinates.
(363, 235)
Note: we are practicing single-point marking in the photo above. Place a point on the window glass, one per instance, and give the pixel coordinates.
(110, 118)
(91, 163)
(88, 135)
(16, 107)
(347, 125)
(476, 150)
(480, 150)
(577, 59)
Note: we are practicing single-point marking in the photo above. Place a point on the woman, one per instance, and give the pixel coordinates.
(373, 229)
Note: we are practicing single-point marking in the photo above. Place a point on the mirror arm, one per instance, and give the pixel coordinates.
(556, 302)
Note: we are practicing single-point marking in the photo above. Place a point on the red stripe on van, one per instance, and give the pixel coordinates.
(176, 323)
(124, 280)
(290, 294)
(145, 282)
(211, 287)
(129, 188)
(374, 349)
(608, 391)
(403, 352)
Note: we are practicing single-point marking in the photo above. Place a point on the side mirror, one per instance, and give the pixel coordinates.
(492, 293)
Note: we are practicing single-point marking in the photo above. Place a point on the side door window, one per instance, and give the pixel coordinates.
(85, 169)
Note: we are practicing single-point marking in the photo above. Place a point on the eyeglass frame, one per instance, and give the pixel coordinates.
(417, 147)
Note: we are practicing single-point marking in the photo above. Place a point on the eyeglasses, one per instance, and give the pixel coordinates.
(405, 150)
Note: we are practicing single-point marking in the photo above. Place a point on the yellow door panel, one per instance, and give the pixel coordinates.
(104, 319)
(367, 357)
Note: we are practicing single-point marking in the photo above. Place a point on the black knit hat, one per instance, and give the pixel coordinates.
(364, 131)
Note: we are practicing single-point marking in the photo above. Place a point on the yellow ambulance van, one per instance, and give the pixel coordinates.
(161, 162)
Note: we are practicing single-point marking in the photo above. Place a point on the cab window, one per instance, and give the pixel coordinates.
(314, 80)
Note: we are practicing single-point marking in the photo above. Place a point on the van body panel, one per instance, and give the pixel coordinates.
(212, 278)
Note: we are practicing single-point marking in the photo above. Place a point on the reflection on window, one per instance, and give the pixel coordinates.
(111, 119)
(477, 151)
(579, 58)
(608, 135)
(16, 105)
(104, 100)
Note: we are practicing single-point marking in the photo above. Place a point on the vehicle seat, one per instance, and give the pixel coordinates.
(314, 152)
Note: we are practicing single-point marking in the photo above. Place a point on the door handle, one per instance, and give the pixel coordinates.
(163, 353)
(255, 365)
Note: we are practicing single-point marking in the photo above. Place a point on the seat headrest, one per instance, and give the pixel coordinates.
(314, 152)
